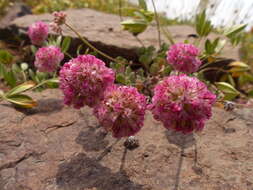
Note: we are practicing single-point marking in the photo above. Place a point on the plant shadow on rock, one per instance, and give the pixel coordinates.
(183, 141)
(44, 106)
(83, 172)
(93, 139)
(179, 139)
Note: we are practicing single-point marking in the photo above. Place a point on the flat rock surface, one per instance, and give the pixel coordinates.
(105, 30)
(53, 147)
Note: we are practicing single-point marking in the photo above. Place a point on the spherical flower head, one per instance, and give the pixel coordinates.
(122, 111)
(59, 17)
(47, 59)
(38, 33)
(84, 80)
(182, 103)
(183, 57)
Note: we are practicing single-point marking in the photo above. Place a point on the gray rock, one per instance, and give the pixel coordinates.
(15, 11)
(53, 147)
(105, 32)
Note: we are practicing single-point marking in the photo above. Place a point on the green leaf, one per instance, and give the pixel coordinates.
(245, 78)
(167, 71)
(155, 68)
(32, 74)
(221, 44)
(58, 41)
(229, 91)
(231, 32)
(131, 77)
(16, 69)
(231, 80)
(10, 78)
(135, 26)
(5, 57)
(239, 64)
(208, 47)
(2, 70)
(203, 26)
(52, 81)
(142, 4)
(41, 76)
(22, 100)
(128, 70)
(20, 88)
(33, 49)
(78, 51)
(120, 78)
(250, 93)
(65, 44)
(140, 72)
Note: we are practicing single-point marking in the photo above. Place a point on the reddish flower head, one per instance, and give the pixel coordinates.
(47, 59)
(84, 80)
(183, 57)
(182, 103)
(38, 33)
(122, 111)
(59, 17)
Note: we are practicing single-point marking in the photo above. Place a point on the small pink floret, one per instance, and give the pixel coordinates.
(47, 59)
(122, 111)
(38, 33)
(182, 103)
(183, 57)
(84, 80)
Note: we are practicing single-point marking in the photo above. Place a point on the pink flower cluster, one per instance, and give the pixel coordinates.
(59, 19)
(38, 33)
(183, 57)
(122, 111)
(84, 80)
(182, 103)
(48, 58)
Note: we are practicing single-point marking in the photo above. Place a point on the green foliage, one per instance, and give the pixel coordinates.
(16, 97)
(140, 21)
(44, 6)
(228, 90)
(5, 57)
(235, 34)
(154, 61)
(65, 44)
(203, 26)
(246, 50)
(143, 4)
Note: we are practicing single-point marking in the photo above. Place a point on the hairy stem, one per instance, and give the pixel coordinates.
(139, 40)
(89, 44)
(157, 24)
(120, 10)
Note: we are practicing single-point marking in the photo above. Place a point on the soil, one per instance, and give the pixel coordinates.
(54, 147)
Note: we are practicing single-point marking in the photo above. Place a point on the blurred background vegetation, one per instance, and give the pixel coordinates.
(112, 6)
(45, 6)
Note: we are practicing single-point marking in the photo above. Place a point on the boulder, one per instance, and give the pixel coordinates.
(54, 147)
(104, 31)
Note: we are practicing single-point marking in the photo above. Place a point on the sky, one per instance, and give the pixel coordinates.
(223, 13)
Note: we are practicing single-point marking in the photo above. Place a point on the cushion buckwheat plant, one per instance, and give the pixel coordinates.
(38, 32)
(84, 80)
(183, 57)
(47, 59)
(182, 103)
(122, 111)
